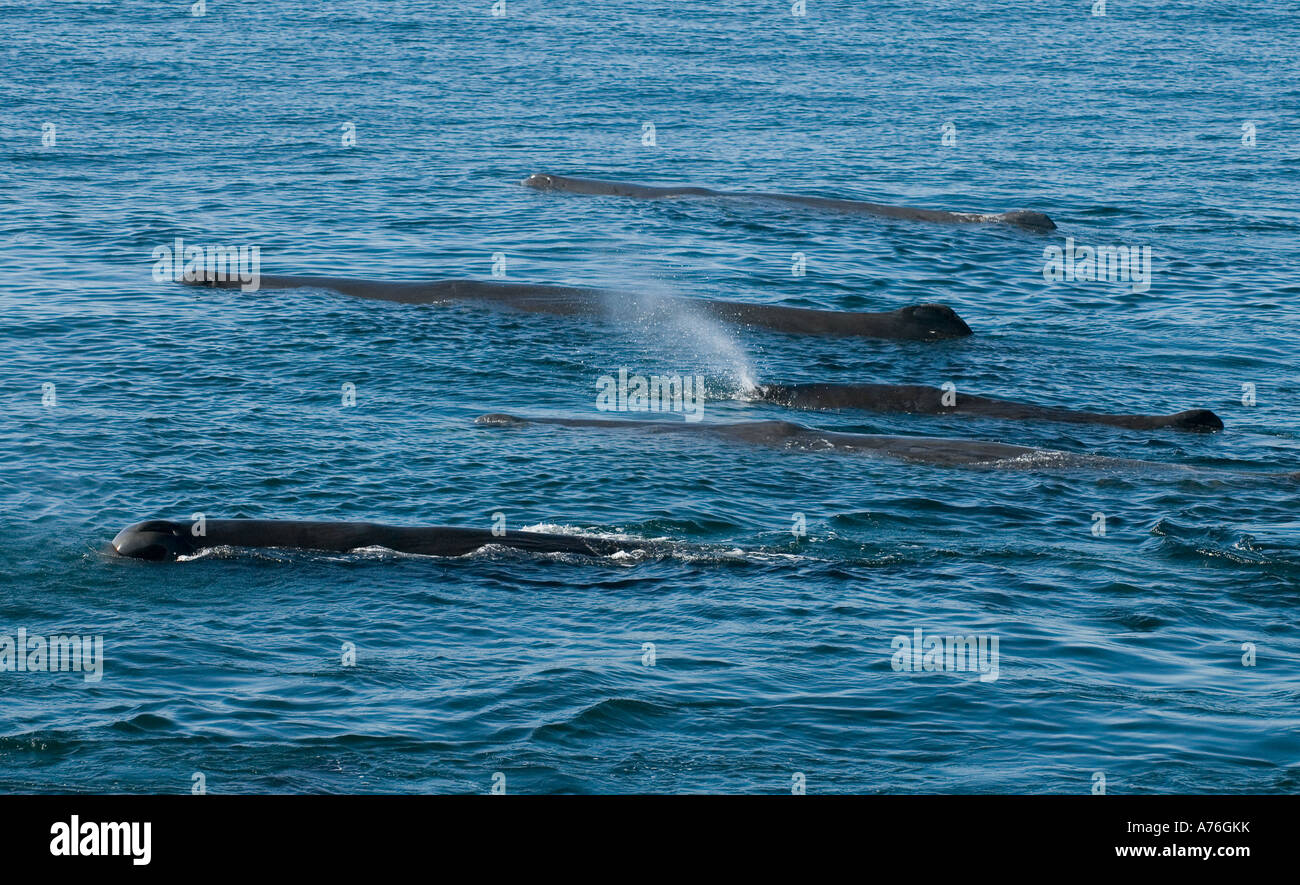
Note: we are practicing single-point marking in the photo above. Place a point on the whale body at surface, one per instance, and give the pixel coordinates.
(1022, 218)
(161, 539)
(944, 451)
(916, 322)
(922, 400)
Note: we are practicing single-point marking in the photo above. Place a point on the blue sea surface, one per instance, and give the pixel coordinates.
(1161, 656)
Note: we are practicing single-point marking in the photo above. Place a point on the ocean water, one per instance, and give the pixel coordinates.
(741, 657)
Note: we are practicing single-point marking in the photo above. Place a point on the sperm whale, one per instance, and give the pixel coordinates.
(917, 322)
(161, 539)
(919, 399)
(1034, 221)
(789, 435)
(918, 449)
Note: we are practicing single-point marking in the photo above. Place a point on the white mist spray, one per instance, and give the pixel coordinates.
(683, 335)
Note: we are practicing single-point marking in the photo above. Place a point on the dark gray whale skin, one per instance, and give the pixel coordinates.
(1034, 221)
(919, 399)
(917, 322)
(161, 539)
(789, 435)
(918, 449)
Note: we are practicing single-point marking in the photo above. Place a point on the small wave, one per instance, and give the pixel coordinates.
(625, 714)
(1225, 544)
(645, 550)
(554, 528)
(144, 723)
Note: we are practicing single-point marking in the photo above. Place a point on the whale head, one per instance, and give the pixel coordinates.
(932, 322)
(500, 419)
(540, 181)
(1202, 420)
(157, 539)
(1023, 218)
